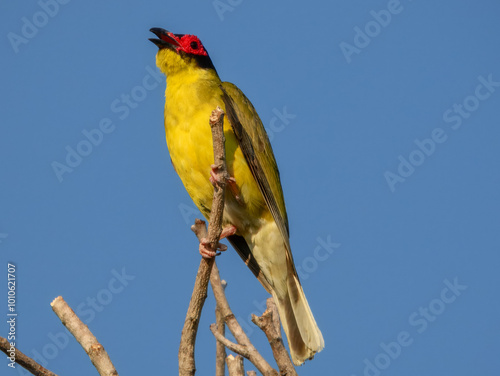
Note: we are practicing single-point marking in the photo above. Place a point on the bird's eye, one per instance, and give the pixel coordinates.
(194, 45)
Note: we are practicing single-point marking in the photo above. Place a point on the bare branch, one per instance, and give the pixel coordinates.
(235, 365)
(251, 373)
(237, 348)
(220, 349)
(251, 352)
(25, 361)
(84, 336)
(186, 349)
(269, 323)
(200, 229)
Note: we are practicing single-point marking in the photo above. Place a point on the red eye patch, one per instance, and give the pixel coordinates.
(191, 44)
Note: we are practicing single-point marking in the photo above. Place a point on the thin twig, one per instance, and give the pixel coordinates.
(186, 349)
(235, 347)
(220, 349)
(235, 365)
(269, 323)
(24, 361)
(251, 352)
(84, 336)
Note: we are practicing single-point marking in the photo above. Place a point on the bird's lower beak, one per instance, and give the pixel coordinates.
(166, 39)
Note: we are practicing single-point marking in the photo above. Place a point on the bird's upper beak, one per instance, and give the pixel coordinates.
(166, 39)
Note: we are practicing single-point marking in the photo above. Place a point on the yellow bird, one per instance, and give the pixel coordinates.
(255, 220)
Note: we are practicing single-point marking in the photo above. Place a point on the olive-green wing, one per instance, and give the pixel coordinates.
(256, 148)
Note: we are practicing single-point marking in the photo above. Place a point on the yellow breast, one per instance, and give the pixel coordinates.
(189, 103)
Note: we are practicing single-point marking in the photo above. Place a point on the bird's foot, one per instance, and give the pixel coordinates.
(207, 252)
(228, 231)
(233, 188)
(216, 178)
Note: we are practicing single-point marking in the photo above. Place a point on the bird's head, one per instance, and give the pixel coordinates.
(178, 52)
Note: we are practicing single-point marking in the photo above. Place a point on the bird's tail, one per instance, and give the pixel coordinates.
(304, 337)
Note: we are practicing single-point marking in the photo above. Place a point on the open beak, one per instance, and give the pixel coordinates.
(166, 39)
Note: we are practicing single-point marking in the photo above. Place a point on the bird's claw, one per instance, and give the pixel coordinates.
(216, 176)
(207, 252)
(228, 231)
(233, 188)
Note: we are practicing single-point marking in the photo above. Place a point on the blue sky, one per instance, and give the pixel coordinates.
(384, 118)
